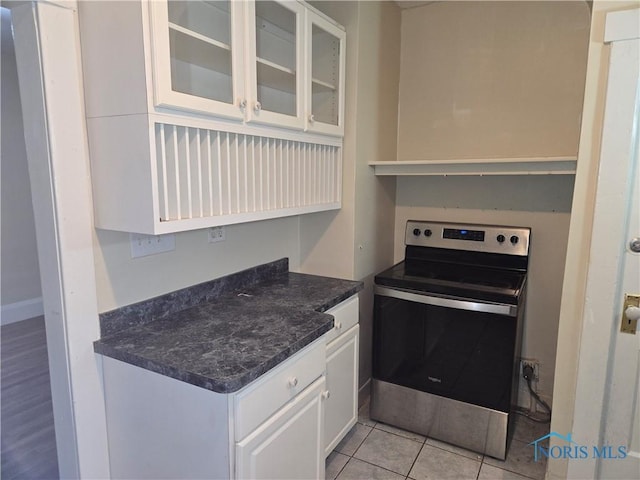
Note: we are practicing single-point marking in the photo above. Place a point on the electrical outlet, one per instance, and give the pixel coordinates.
(216, 234)
(144, 245)
(534, 363)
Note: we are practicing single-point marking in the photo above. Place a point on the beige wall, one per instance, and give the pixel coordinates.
(571, 311)
(376, 139)
(357, 242)
(122, 280)
(492, 79)
(541, 203)
(378, 81)
(20, 275)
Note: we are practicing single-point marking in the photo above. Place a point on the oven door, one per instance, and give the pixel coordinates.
(452, 347)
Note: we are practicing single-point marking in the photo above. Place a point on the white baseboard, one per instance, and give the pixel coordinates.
(14, 312)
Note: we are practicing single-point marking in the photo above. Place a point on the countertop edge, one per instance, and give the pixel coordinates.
(198, 380)
(235, 384)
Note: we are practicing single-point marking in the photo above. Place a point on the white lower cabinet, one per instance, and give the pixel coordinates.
(341, 407)
(279, 426)
(342, 384)
(289, 445)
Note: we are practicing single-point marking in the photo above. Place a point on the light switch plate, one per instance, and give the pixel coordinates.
(144, 245)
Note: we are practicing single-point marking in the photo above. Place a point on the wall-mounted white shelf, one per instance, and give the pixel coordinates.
(480, 166)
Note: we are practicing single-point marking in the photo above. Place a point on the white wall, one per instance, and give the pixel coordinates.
(492, 79)
(377, 123)
(122, 280)
(20, 275)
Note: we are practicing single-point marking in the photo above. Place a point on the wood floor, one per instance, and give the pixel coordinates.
(26, 415)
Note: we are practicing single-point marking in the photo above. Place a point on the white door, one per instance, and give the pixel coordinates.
(324, 89)
(621, 152)
(342, 383)
(197, 53)
(275, 41)
(614, 270)
(290, 444)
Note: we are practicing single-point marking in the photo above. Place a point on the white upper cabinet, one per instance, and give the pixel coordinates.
(210, 112)
(197, 52)
(268, 62)
(325, 76)
(275, 54)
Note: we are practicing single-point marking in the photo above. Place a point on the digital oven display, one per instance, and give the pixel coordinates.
(461, 234)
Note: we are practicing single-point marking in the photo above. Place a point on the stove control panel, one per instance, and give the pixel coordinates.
(480, 238)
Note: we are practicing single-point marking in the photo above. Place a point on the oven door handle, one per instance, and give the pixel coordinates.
(486, 307)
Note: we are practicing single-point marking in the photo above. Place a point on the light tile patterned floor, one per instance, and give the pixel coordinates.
(373, 450)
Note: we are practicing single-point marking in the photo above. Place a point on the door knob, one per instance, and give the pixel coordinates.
(630, 314)
(257, 107)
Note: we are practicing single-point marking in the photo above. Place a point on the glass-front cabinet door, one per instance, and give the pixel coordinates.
(198, 56)
(325, 77)
(275, 40)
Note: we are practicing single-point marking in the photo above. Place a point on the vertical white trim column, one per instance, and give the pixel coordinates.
(49, 70)
(614, 189)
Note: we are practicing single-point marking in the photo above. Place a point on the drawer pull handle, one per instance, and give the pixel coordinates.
(293, 381)
(326, 394)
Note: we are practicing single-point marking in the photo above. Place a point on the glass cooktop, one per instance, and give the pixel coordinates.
(461, 281)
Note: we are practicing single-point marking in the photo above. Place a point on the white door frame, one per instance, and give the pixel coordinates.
(47, 45)
(586, 402)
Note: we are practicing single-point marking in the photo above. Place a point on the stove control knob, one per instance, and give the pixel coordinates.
(417, 232)
(427, 233)
(514, 239)
(500, 238)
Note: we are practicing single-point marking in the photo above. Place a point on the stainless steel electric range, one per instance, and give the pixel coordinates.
(447, 333)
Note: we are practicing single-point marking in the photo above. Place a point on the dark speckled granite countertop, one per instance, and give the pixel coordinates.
(225, 342)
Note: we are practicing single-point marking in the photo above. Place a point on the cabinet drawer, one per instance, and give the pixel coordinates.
(345, 316)
(258, 401)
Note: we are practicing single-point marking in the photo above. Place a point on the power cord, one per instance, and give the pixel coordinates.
(527, 374)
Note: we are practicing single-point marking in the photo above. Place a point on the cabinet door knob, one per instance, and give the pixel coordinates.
(338, 325)
(311, 118)
(257, 107)
(326, 394)
(293, 381)
(242, 104)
